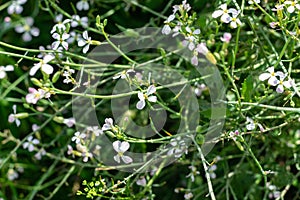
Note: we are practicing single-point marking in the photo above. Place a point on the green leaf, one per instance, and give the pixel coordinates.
(247, 88)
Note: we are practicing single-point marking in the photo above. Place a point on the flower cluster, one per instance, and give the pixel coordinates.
(276, 79)
(191, 34)
(178, 147)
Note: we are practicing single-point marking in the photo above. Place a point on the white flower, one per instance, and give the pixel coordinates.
(12, 174)
(211, 171)
(141, 181)
(193, 173)
(82, 5)
(224, 13)
(282, 84)
(74, 36)
(167, 29)
(292, 5)
(40, 154)
(252, 125)
(234, 134)
(3, 70)
(95, 130)
(48, 69)
(35, 95)
(15, 7)
(61, 25)
(68, 78)
(142, 97)
(69, 122)
(109, 123)
(27, 29)
(121, 148)
(190, 38)
(60, 41)
(201, 48)
(226, 37)
(78, 137)
(123, 74)
(199, 89)
(234, 20)
(35, 127)
(86, 41)
(271, 76)
(31, 142)
(76, 20)
(188, 195)
(252, 1)
(12, 117)
(70, 150)
(84, 152)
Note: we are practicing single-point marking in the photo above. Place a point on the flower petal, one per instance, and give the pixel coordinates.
(124, 146)
(117, 158)
(279, 89)
(152, 98)
(217, 13)
(140, 104)
(48, 69)
(151, 89)
(273, 81)
(126, 159)
(116, 145)
(34, 69)
(264, 76)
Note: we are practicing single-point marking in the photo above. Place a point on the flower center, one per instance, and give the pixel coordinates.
(26, 28)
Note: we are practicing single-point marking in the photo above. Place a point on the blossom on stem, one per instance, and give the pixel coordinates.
(167, 29)
(123, 74)
(5, 69)
(60, 27)
(60, 41)
(251, 125)
(35, 95)
(223, 12)
(292, 5)
(69, 122)
(95, 130)
(30, 143)
(82, 5)
(282, 84)
(27, 29)
(85, 41)
(190, 39)
(193, 173)
(16, 7)
(147, 96)
(12, 117)
(121, 148)
(234, 20)
(109, 124)
(78, 137)
(270, 76)
(77, 20)
(226, 37)
(48, 69)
